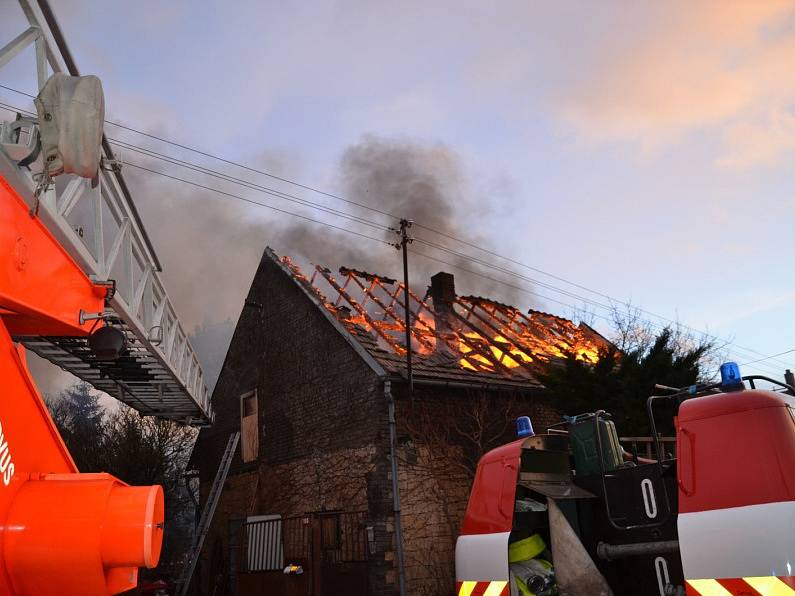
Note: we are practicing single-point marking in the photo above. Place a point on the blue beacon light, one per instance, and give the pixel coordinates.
(730, 376)
(524, 428)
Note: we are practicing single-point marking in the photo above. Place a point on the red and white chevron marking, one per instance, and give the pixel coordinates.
(488, 588)
(745, 586)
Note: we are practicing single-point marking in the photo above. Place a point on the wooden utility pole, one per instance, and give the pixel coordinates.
(405, 240)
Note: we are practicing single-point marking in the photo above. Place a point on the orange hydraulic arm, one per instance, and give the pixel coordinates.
(61, 532)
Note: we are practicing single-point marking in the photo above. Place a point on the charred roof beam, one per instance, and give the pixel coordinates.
(365, 275)
(391, 313)
(485, 353)
(370, 321)
(514, 343)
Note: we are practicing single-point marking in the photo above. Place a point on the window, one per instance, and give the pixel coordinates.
(249, 427)
(264, 543)
(249, 405)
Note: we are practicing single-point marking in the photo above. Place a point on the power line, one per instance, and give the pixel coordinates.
(213, 173)
(595, 292)
(224, 160)
(768, 357)
(17, 91)
(279, 194)
(222, 176)
(543, 296)
(357, 219)
(11, 108)
(354, 218)
(234, 196)
(247, 200)
(503, 282)
(381, 212)
(763, 370)
(443, 248)
(264, 189)
(583, 299)
(201, 169)
(418, 224)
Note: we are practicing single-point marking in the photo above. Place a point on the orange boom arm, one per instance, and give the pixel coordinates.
(61, 532)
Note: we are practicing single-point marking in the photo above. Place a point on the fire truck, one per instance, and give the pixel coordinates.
(717, 519)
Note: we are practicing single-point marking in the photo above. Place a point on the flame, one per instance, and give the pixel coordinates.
(506, 350)
(425, 327)
(507, 341)
(359, 320)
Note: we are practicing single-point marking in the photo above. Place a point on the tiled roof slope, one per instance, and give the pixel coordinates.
(466, 338)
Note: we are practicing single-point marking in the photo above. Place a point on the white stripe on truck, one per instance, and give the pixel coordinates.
(482, 557)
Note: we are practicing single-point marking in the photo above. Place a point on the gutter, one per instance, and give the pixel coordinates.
(420, 382)
(395, 487)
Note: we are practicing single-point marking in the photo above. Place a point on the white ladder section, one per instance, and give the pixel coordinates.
(101, 230)
(207, 514)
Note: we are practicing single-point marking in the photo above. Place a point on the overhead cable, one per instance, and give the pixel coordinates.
(364, 221)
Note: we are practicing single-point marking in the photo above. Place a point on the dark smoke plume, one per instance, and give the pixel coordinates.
(425, 183)
(210, 245)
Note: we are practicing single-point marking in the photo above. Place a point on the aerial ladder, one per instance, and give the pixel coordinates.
(80, 285)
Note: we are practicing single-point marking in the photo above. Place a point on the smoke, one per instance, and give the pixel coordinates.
(422, 182)
(210, 341)
(210, 245)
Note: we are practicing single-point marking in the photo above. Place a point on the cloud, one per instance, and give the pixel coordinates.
(749, 303)
(418, 109)
(748, 144)
(710, 67)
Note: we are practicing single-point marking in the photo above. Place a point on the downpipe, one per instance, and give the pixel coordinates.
(390, 400)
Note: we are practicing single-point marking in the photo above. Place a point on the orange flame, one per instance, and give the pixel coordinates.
(508, 340)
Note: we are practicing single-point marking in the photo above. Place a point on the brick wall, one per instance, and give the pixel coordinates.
(323, 419)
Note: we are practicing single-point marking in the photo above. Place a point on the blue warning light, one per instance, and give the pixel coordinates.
(524, 428)
(730, 376)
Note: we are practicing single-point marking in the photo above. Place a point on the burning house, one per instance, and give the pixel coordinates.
(343, 470)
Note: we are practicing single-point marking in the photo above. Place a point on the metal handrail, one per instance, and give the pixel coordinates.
(120, 248)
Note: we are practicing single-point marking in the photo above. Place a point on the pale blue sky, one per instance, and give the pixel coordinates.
(645, 150)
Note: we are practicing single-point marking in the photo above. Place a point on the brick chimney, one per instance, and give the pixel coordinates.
(443, 295)
(443, 289)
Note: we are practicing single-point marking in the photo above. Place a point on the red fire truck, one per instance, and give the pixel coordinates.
(718, 519)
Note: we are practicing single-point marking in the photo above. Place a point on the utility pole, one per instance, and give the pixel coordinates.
(405, 240)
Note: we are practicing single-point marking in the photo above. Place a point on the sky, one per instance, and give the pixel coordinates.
(643, 150)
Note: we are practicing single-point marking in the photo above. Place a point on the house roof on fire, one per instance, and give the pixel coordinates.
(453, 338)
